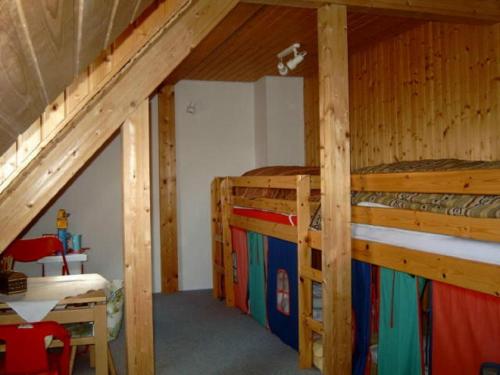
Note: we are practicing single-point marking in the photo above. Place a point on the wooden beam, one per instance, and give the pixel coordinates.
(460, 226)
(74, 145)
(168, 190)
(480, 181)
(460, 10)
(137, 242)
(336, 188)
(311, 121)
(482, 277)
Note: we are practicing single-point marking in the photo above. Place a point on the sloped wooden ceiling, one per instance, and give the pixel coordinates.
(44, 44)
(244, 46)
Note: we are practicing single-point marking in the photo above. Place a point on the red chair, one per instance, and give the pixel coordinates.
(26, 351)
(34, 249)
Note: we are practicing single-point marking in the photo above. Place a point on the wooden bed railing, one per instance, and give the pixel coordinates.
(473, 275)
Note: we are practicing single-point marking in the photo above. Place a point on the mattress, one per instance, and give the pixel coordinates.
(479, 251)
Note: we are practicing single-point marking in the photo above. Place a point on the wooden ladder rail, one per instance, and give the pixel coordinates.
(304, 262)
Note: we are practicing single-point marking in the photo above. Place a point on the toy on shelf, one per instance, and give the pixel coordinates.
(62, 228)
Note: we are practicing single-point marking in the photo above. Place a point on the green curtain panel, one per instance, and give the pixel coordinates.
(257, 277)
(399, 347)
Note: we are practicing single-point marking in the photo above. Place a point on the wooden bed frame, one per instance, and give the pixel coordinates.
(473, 275)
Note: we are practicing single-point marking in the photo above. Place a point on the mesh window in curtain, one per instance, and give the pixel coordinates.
(283, 292)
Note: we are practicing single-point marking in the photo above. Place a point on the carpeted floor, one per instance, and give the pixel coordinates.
(195, 334)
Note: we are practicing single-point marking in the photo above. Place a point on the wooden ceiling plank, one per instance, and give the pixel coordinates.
(50, 26)
(20, 87)
(233, 22)
(460, 10)
(94, 20)
(122, 18)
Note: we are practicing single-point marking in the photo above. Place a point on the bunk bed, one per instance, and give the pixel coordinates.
(423, 235)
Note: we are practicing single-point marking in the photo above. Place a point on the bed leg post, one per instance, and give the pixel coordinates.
(226, 193)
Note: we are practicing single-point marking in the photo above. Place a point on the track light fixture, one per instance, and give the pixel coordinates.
(298, 57)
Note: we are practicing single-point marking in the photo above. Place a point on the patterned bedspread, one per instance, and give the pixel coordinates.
(483, 206)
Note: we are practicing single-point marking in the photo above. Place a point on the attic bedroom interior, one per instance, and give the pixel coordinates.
(250, 187)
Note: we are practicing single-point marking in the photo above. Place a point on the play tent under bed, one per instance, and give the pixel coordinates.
(424, 228)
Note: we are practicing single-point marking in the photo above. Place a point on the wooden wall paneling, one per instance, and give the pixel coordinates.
(100, 69)
(53, 116)
(50, 28)
(311, 120)
(8, 162)
(304, 262)
(336, 189)
(77, 92)
(438, 99)
(230, 25)
(168, 190)
(23, 95)
(226, 193)
(137, 242)
(98, 121)
(29, 140)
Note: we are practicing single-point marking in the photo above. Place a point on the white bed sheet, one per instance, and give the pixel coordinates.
(479, 251)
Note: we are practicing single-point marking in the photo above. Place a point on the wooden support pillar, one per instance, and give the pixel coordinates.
(137, 242)
(335, 188)
(168, 190)
(311, 121)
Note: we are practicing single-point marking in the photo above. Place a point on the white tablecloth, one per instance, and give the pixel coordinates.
(44, 293)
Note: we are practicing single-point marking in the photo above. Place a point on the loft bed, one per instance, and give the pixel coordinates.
(236, 202)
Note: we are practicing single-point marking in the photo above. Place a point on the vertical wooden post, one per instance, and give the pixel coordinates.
(226, 193)
(168, 190)
(304, 261)
(335, 188)
(217, 245)
(137, 242)
(311, 121)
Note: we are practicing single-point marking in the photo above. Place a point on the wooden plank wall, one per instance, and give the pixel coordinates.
(81, 90)
(430, 92)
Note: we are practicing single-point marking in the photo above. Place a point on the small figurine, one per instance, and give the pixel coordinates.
(62, 226)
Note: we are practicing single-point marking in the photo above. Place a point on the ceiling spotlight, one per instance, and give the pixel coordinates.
(298, 57)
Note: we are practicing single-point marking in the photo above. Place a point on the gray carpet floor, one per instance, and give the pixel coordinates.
(196, 334)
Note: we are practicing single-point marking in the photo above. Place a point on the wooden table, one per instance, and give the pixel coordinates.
(87, 306)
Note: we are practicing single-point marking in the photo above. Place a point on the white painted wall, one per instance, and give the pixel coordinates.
(94, 201)
(279, 128)
(216, 140)
(236, 127)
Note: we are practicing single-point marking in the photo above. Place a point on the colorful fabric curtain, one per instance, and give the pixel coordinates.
(240, 268)
(399, 347)
(465, 330)
(257, 277)
(282, 291)
(361, 304)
